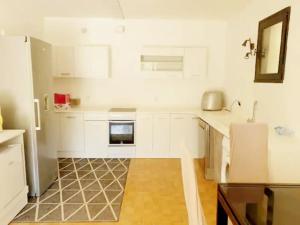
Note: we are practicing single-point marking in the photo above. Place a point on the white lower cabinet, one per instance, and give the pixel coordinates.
(96, 138)
(161, 134)
(71, 135)
(195, 137)
(13, 188)
(144, 135)
(158, 135)
(11, 173)
(178, 134)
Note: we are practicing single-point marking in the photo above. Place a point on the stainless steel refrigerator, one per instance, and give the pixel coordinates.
(26, 100)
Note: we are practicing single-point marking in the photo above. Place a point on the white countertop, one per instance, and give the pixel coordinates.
(6, 135)
(221, 120)
(139, 109)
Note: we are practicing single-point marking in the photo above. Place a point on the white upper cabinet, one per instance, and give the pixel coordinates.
(162, 62)
(87, 61)
(64, 61)
(174, 62)
(195, 62)
(92, 61)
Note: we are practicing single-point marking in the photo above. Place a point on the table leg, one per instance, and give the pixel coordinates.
(222, 217)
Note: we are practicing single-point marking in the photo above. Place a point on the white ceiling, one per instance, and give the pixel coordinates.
(167, 9)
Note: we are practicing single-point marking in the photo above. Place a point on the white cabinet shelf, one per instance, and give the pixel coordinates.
(164, 62)
(161, 63)
(86, 61)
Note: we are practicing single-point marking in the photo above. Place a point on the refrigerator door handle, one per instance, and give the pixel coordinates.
(37, 103)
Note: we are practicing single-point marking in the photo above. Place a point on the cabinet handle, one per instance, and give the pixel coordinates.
(12, 146)
(37, 102)
(65, 74)
(70, 117)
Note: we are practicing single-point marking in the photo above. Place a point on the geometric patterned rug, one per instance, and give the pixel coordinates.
(85, 190)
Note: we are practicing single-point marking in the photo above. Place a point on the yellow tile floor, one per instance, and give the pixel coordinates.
(153, 195)
(207, 192)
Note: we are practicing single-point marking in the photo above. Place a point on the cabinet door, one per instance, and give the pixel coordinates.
(72, 133)
(11, 173)
(195, 139)
(64, 59)
(144, 135)
(96, 138)
(178, 134)
(161, 134)
(92, 61)
(195, 62)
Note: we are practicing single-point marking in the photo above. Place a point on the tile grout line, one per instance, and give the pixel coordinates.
(38, 200)
(60, 193)
(65, 219)
(82, 193)
(106, 198)
(110, 170)
(58, 190)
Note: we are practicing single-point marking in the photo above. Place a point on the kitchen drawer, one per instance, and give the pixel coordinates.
(11, 173)
(95, 116)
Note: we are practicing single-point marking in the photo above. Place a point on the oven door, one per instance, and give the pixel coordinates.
(121, 133)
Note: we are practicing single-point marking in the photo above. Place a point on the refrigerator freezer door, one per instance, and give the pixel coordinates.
(45, 124)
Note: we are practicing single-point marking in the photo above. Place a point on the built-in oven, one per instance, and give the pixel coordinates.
(121, 132)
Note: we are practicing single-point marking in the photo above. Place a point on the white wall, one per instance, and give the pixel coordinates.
(126, 86)
(278, 104)
(16, 20)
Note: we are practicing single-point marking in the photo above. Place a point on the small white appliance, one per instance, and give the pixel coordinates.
(212, 101)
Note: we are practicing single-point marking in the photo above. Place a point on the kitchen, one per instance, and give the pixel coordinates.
(136, 85)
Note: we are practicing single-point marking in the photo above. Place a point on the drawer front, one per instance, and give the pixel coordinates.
(11, 173)
(95, 116)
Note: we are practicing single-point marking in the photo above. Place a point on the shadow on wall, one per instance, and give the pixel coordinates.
(8, 109)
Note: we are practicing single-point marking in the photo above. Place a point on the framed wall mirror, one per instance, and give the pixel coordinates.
(271, 47)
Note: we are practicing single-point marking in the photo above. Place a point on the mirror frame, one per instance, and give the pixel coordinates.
(284, 17)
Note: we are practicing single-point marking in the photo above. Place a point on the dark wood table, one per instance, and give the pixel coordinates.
(258, 204)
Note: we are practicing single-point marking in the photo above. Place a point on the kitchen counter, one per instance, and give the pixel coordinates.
(6, 135)
(83, 110)
(281, 147)
(138, 109)
(283, 150)
(219, 120)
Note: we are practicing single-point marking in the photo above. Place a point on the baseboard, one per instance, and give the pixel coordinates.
(116, 154)
(14, 207)
(64, 154)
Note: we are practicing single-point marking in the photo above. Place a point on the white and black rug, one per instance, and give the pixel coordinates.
(86, 190)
